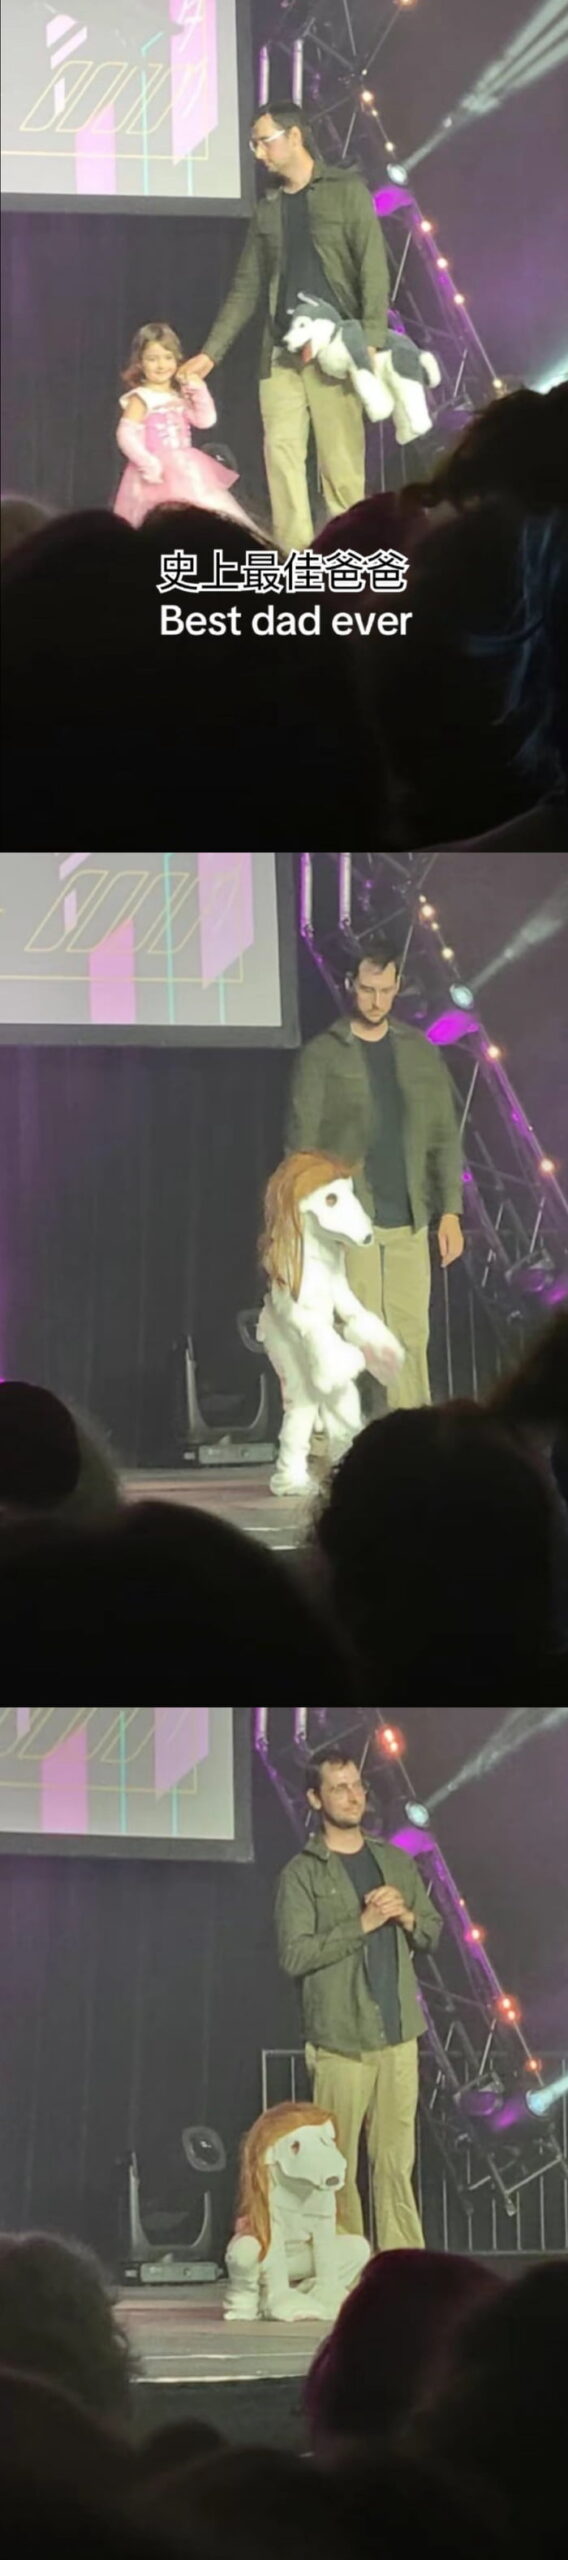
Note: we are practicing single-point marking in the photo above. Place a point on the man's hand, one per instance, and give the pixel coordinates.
(195, 368)
(385, 1903)
(450, 1238)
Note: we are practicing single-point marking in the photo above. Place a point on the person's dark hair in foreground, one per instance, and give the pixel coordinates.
(51, 1460)
(57, 2319)
(454, 1502)
(517, 447)
(501, 2414)
(535, 1393)
(83, 645)
(165, 1605)
(395, 2330)
(249, 2501)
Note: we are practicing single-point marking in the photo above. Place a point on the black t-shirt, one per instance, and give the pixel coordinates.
(385, 1166)
(302, 270)
(381, 1954)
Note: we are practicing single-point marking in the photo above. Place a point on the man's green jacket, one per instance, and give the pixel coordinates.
(331, 1107)
(321, 1944)
(348, 237)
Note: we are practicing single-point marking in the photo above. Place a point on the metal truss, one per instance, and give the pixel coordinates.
(516, 1215)
(476, 2065)
(321, 57)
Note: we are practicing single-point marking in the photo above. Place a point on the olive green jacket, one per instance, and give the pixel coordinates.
(321, 1944)
(349, 240)
(331, 1107)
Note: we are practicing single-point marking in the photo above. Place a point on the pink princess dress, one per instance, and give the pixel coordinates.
(164, 467)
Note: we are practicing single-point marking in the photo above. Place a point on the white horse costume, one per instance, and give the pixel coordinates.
(291, 2262)
(312, 1214)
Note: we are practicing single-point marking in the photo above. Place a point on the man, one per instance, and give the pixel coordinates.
(315, 231)
(376, 1092)
(349, 1911)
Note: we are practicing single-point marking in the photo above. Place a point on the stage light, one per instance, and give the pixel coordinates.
(367, 97)
(428, 912)
(475, 1937)
(497, 384)
(459, 297)
(463, 997)
(397, 173)
(546, 1165)
(509, 2010)
(447, 953)
(441, 262)
(532, 2063)
(538, 2101)
(491, 1050)
(426, 226)
(419, 1815)
(390, 1741)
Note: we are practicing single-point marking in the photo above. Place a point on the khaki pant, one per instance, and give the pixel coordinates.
(394, 1282)
(381, 2091)
(291, 396)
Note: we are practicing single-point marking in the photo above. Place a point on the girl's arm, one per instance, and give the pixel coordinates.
(130, 438)
(199, 404)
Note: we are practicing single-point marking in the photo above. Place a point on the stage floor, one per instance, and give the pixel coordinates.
(182, 2337)
(239, 1495)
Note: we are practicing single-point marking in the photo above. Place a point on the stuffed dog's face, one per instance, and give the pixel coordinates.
(311, 2154)
(307, 335)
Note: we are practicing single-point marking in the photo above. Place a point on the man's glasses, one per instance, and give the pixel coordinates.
(266, 138)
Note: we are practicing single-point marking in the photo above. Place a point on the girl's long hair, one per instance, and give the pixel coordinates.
(134, 370)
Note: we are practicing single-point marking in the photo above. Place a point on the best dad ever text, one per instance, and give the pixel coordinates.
(268, 624)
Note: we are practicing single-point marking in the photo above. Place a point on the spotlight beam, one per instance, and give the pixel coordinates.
(540, 927)
(521, 1725)
(543, 43)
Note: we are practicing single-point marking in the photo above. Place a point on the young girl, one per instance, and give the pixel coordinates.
(154, 431)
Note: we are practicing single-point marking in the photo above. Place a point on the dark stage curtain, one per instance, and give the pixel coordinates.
(132, 1186)
(74, 289)
(135, 1999)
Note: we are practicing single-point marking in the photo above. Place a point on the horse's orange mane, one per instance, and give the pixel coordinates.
(253, 2207)
(280, 1245)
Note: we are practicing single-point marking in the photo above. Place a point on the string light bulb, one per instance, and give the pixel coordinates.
(390, 1741)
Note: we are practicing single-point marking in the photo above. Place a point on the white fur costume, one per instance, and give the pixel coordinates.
(393, 386)
(309, 2266)
(318, 1365)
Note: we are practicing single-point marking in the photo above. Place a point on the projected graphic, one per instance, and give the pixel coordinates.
(127, 102)
(158, 941)
(108, 1774)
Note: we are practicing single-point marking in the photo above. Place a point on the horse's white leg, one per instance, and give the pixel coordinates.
(343, 1419)
(291, 1471)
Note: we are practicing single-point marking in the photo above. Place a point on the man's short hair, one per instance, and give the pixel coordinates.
(339, 1760)
(380, 950)
(288, 115)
